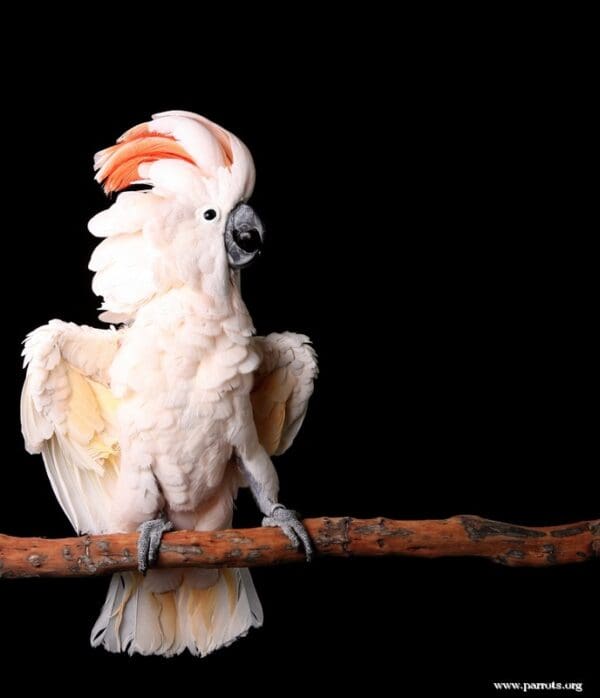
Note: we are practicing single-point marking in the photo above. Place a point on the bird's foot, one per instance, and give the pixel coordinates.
(151, 533)
(288, 521)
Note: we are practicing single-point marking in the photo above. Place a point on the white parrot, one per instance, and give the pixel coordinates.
(158, 423)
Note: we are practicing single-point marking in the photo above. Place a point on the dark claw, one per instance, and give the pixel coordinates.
(151, 533)
(288, 521)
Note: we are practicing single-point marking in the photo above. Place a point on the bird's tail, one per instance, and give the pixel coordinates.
(169, 611)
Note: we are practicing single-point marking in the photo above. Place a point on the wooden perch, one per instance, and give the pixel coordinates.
(472, 536)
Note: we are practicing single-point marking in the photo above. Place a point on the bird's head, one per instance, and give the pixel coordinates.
(191, 225)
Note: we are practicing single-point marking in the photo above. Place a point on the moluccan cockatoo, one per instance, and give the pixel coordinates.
(156, 423)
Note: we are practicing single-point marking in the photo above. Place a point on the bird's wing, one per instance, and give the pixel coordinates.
(282, 388)
(68, 415)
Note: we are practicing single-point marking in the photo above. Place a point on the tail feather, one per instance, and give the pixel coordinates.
(203, 612)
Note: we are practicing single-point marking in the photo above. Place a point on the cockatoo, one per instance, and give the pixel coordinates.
(156, 422)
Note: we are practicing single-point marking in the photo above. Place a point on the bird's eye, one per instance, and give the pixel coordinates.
(208, 213)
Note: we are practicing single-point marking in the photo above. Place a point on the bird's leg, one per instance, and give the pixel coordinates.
(151, 533)
(287, 520)
(262, 478)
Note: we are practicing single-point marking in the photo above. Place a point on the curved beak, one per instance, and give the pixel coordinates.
(244, 235)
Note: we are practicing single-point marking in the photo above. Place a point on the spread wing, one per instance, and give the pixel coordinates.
(283, 385)
(68, 415)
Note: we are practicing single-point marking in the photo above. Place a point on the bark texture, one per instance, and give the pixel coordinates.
(467, 536)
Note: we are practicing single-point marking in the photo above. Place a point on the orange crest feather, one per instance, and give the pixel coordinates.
(118, 165)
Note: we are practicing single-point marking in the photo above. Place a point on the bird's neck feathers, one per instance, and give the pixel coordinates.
(208, 315)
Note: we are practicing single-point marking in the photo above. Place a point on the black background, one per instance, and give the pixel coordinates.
(428, 215)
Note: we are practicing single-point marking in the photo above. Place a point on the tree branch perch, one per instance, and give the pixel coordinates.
(467, 536)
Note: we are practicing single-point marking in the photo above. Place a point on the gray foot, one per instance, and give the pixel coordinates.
(151, 533)
(288, 522)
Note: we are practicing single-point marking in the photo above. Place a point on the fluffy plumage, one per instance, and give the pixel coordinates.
(156, 416)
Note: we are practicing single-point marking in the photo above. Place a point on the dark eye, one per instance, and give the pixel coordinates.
(210, 214)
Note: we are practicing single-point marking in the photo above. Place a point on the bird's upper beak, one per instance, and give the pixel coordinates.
(244, 235)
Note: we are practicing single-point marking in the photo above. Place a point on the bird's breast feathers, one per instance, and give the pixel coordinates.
(183, 378)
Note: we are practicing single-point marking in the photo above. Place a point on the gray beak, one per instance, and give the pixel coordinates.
(244, 234)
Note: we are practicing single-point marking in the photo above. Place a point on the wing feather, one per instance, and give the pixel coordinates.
(283, 385)
(69, 418)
